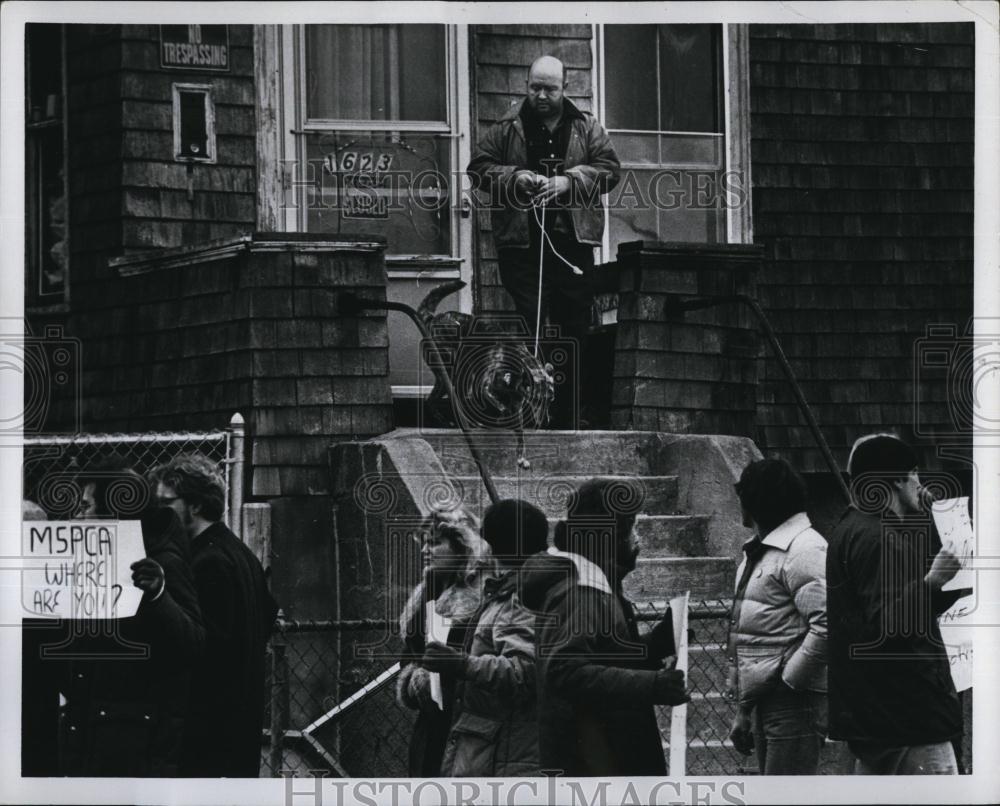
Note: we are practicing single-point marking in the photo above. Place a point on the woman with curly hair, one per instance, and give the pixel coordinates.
(457, 562)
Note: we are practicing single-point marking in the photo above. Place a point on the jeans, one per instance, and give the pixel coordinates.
(789, 728)
(920, 759)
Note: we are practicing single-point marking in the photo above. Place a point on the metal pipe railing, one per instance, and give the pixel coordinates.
(677, 304)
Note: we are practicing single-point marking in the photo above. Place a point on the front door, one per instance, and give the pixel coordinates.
(381, 128)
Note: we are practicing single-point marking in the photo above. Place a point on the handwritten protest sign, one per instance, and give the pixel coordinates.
(951, 517)
(956, 632)
(80, 569)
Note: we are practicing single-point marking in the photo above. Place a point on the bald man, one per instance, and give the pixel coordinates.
(546, 160)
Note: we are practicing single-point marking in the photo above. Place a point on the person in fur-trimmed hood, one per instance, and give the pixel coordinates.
(457, 562)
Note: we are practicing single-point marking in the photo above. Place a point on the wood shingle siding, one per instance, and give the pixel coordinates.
(862, 153)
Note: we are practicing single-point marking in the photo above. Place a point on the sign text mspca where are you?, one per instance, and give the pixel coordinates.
(80, 569)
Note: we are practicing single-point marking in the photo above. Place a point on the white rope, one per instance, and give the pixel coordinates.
(541, 264)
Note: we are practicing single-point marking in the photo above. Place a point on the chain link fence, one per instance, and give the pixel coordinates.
(366, 732)
(51, 464)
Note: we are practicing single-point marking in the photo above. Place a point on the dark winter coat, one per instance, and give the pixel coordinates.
(126, 704)
(494, 729)
(596, 678)
(897, 687)
(227, 702)
(590, 163)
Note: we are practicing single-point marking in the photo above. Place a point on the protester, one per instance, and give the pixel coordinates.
(777, 643)
(891, 693)
(457, 562)
(128, 685)
(494, 730)
(597, 679)
(545, 157)
(227, 700)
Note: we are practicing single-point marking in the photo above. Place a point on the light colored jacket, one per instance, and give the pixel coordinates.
(591, 164)
(778, 631)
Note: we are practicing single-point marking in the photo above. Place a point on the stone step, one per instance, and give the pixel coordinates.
(551, 492)
(672, 535)
(705, 577)
(586, 452)
(666, 536)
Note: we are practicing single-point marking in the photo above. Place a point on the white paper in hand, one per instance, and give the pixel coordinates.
(951, 517)
(437, 627)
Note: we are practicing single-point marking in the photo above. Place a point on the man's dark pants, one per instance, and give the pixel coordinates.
(566, 301)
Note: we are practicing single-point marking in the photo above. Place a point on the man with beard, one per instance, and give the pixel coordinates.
(598, 679)
(547, 161)
(227, 701)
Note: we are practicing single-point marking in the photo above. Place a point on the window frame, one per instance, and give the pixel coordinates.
(35, 301)
(205, 90)
(455, 128)
(735, 101)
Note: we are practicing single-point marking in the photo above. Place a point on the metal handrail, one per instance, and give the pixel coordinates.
(678, 303)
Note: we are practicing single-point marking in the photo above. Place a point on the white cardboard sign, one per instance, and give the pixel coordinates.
(80, 569)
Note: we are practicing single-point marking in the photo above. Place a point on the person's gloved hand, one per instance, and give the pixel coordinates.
(669, 688)
(444, 659)
(740, 734)
(148, 576)
(661, 638)
(418, 689)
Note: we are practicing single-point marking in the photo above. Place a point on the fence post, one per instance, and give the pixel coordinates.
(257, 531)
(235, 463)
(279, 703)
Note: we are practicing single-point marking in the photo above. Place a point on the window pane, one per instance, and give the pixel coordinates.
(394, 184)
(636, 149)
(666, 205)
(630, 76)
(376, 72)
(689, 78)
(686, 149)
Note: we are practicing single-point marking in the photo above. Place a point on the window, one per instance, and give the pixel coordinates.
(46, 207)
(194, 123)
(378, 134)
(664, 107)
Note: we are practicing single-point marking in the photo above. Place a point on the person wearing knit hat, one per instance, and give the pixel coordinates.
(494, 670)
(891, 696)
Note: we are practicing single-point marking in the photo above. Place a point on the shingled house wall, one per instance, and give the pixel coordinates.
(862, 154)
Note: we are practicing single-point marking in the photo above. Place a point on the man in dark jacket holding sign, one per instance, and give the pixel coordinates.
(890, 688)
(227, 700)
(598, 679)
(547, 158)
(127, 685)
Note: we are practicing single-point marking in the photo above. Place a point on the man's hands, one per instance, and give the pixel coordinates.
(669, 688)
(148, 576)
(541, 189)
(443, 659)
(740, 734)
(943, 569)
(551, 189)
(661, 638)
